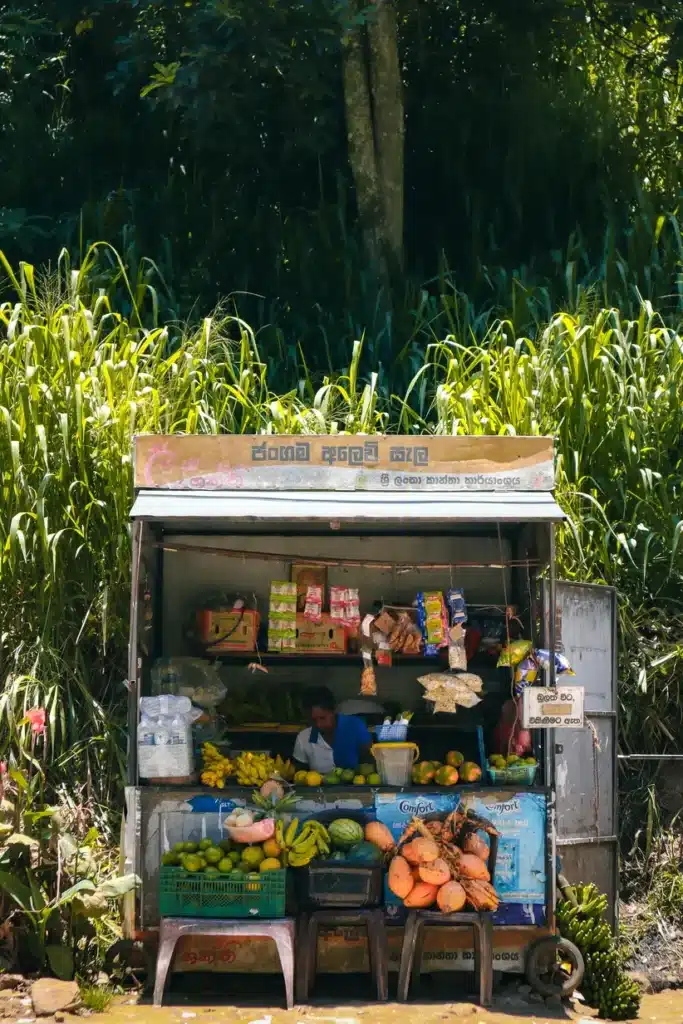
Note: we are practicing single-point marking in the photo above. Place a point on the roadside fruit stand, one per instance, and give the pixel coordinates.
(413, 578)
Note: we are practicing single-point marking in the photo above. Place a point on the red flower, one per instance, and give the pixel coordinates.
(36, 717)
(3, 767)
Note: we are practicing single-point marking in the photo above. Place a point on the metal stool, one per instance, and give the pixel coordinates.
(307, 942)
(282, 932)
(413, 941)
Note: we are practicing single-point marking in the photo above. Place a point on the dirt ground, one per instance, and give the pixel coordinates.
(664, 1008)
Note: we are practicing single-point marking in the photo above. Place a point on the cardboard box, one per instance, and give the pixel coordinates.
(228, 630)
(325, 637)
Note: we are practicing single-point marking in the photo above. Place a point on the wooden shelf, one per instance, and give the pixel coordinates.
(255, 727)
(344, 791)
(300, 658)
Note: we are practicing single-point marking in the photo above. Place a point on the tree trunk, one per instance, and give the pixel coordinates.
(387, 95)
(360, 135)
(373, 98)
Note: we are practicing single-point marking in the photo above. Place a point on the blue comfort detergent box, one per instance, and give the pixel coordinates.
(520, 877)
(395, 811)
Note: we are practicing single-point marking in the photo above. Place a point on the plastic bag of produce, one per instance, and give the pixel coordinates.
(189, 677)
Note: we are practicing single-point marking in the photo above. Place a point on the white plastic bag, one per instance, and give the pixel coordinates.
(189, 677)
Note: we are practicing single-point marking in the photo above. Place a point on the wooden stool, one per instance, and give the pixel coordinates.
(307, 946)
(413, 941)
(281, 931)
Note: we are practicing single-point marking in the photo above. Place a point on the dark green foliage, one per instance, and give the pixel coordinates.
(210, 136)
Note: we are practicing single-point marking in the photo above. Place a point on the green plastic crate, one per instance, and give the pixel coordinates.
(182, 894)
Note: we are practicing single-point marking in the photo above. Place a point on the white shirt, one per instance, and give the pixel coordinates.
(318, 756)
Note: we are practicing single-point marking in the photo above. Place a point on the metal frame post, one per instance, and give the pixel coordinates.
(133, 659)
(550, 641)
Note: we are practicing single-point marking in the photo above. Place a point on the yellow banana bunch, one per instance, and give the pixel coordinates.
(217, 767)
(301, 845)
(285, 769)
(253, 769)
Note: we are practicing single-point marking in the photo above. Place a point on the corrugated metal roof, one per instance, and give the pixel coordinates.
(355, 506)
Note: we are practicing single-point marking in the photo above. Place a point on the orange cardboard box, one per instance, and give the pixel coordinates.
(325, 637)
(228, 630)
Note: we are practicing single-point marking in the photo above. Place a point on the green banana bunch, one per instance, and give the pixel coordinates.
(301, 845)
(606, 986)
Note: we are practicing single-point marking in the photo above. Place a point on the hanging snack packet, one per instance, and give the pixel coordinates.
(368, 681)
(448, 692)
(562, 666)
(313, 609)
(282, 616)
(525, 674)
(337, 604)
(382, 649)
(431, 612)
(457, 653)
(384, 622)
(513, 653)
(455, 599)
(352, 607)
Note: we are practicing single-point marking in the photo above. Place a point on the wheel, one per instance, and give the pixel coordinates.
(554, 966)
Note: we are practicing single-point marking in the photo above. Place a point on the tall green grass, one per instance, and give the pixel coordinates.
(78, 378)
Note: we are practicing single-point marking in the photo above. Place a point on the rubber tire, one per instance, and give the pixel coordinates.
(532, 967)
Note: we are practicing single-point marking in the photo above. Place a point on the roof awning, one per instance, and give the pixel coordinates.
(177, 507)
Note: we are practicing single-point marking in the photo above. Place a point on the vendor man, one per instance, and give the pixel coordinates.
(333, 740)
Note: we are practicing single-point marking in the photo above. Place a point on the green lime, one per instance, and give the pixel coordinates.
(203, 861)
(347, 775)
(213, 855)
(374, 780)
(179, 848)
(243, 868)
(170, 859)
(237, 874)
(235, 856)
(253, 855)
(193, 863)
(206, 844)
(225, 866)
(190, 847)
(225, 845)
(211, 870)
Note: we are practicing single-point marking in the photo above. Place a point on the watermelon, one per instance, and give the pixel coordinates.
(365, 853)
(345, 833)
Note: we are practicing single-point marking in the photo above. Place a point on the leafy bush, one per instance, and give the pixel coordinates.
(57, 888)
(78, 378)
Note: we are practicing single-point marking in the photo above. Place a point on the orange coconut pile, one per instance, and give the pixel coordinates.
(442, 863)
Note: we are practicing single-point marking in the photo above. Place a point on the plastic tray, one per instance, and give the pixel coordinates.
(182, 894)
(524, 774)
(339, 885)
